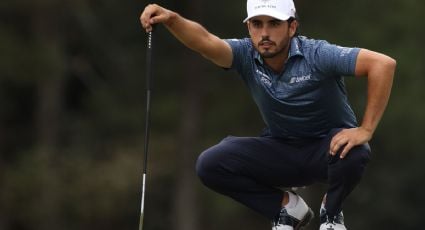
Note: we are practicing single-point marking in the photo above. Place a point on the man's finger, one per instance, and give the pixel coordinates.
(147, 14)
(144, 20)
(346, 149)
(338, 144)
(333, 144)
(157, 19)
(336, 148)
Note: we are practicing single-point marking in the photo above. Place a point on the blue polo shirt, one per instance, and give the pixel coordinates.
(308, 98)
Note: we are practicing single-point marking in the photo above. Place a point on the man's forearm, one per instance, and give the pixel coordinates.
(380, 81)
(188, 32)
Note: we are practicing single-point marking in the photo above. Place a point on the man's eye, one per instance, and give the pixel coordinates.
(256, 24)
(275, 23)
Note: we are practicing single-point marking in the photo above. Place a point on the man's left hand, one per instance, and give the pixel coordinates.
(347, 139)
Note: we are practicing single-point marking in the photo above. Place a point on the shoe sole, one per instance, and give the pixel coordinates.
(306, 220)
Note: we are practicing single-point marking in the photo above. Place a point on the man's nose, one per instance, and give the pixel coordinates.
(265, 32)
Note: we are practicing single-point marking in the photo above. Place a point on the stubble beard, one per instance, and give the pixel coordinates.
(269, 54)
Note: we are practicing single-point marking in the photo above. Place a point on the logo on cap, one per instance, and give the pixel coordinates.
(279, 9)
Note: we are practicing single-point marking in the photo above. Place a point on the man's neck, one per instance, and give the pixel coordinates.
(277, 63)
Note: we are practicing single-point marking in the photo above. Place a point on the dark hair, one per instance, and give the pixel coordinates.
(291, 19)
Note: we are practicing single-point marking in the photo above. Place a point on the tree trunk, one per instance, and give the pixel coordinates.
(187, 211)
(49, 76)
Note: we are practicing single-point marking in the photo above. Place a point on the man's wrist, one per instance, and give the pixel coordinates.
(171, 19)
(367, 130)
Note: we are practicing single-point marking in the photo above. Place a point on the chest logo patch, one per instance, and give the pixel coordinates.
(264, 78)
(300, 79)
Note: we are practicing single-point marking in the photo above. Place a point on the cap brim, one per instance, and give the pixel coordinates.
(276, 15)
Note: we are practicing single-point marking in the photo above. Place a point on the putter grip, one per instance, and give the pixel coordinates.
(149, 58)
(150, 34)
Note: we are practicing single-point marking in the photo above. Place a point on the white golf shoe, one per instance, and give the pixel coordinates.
(336, 223)
(293, 218)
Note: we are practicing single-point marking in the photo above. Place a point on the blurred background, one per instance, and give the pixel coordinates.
(72, 103)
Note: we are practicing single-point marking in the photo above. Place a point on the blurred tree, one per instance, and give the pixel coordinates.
(186, 213)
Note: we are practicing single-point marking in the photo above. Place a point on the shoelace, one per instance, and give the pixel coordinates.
(276, 221)
(338, 219)
(330, 222)
(282, 218)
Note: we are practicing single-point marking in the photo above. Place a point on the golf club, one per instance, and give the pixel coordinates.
(147, 121)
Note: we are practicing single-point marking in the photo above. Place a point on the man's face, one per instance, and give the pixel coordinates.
(270, 36)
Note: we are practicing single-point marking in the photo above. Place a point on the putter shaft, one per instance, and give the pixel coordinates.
(147, 122)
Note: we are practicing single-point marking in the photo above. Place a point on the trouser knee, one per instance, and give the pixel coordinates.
(354, 164)
(207, 168)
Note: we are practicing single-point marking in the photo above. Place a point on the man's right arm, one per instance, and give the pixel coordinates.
(190, 33)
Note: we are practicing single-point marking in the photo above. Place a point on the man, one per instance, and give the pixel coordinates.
(311, 131)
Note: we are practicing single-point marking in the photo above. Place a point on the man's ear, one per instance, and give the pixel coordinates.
(293, 28)
(248, 26)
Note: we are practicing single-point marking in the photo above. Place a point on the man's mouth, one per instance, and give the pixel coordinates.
(266, 44)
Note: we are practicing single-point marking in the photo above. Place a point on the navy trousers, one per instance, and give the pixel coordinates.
(252, 169)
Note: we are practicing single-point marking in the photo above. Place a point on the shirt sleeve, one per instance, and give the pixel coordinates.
(240, 51)
(336, 60)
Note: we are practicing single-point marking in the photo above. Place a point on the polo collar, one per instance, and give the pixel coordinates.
(294, 50)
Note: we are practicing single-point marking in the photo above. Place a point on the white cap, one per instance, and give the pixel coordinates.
(279, 9)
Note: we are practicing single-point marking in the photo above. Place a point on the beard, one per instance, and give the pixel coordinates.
(268, 53)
